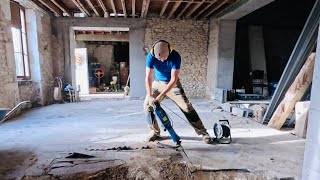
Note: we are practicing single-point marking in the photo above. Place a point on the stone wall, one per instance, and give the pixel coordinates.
(27, 91)
(9, 94)
(104, 54)
(46, 61)
(190, 39)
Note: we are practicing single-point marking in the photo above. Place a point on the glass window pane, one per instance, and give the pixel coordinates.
(23, 27)
(19, 64)
(16, 37)
(24, 40)
(26, 66)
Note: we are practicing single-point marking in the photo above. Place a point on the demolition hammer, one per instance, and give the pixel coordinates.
(164, 118)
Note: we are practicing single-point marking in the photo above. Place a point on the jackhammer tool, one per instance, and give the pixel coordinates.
(164, 118)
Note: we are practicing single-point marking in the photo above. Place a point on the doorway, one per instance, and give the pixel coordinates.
(107, 62)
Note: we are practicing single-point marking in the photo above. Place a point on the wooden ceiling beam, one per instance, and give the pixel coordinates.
(195, 7)
(93, 8)
(215, 8)
(164, 7)
(62, 6)
(147, 8)
(124, 8)
(184, 9)
(52, 7)
(81, 7)
(42, 8)
(123, 37)
(204, 9)
(114, 8)
(133, 8)
(175, 7)
(144, 3)
(105, 11)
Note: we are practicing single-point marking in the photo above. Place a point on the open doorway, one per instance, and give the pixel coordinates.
(107, 54)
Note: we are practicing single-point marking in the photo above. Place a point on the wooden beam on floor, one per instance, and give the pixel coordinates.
(164, 7)
(52, 7)
(81, 7)
(62, 6)
(124, 8)
(93, 8)
(105, 11)
(175, 7)
(215, 8)
(114, 8)
(195, 7)
(184, 9)
(205, 8)
(294, 94)
(133, 8)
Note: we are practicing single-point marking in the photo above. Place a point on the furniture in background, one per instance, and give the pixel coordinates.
(257, 80)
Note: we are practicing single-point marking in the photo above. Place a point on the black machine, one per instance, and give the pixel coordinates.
(222, 132)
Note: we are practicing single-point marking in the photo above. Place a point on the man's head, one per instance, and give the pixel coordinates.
(161, 50)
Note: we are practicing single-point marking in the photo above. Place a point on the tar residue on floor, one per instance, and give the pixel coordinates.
(76, 155)
(123, 148)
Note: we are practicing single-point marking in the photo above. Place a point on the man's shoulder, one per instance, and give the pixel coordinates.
(175, 56)
(175, 53)
(150, 57)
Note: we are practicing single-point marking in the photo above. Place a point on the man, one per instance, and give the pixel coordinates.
(164, 63)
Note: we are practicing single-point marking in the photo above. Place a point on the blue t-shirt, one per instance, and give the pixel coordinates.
(162, 70)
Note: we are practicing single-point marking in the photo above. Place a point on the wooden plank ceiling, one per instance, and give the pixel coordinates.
(170, 9)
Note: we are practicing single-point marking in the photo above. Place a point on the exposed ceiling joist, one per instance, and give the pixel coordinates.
(147, 8)
(205, 8)
(105, 11)
(93, 8)
(215, 8)
(184, 9)
(81, 7)
(41, 7)
(114, 8)
(175, 7)
(62, 6)
(124, 8)
(57, 11)
(164, 7)
(195, 7)
(103, 37)
(133, 8)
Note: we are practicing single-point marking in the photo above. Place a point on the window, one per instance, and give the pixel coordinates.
(19, 38)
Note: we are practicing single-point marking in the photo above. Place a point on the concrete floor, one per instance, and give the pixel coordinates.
(36, 139)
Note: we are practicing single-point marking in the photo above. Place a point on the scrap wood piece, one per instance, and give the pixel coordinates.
(294, 94)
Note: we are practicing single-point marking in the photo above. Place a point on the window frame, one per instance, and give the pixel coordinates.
(24, 48)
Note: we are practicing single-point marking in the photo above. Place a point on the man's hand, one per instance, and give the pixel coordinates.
(160, 98)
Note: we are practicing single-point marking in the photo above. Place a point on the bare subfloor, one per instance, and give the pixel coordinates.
(44, 143)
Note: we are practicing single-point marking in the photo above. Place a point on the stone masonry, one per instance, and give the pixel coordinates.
(46, 63)
(190, 39)
(9, 95)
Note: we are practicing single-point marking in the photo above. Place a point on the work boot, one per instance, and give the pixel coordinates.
(207, 139)
(152, 137)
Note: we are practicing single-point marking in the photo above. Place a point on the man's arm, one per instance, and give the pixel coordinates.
(172, 82)
(148, 81)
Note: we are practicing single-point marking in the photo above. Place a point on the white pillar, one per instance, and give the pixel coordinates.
(221, 49)
(311, 164)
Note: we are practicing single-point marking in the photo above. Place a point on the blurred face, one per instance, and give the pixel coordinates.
(161, 51)
(163, 58)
